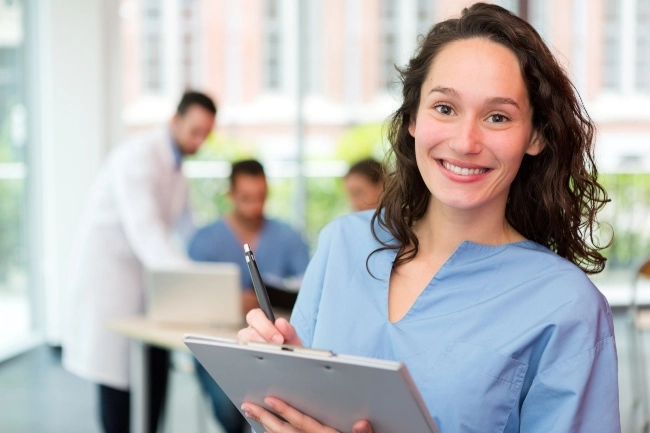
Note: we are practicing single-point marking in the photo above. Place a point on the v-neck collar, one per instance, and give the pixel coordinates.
(465, 255)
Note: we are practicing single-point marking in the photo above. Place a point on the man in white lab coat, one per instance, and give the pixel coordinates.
(137, 213)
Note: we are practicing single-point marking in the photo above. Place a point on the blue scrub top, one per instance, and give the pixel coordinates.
(506, 338)
(280, 252)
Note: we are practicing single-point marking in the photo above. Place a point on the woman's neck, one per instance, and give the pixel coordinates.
(443, 228)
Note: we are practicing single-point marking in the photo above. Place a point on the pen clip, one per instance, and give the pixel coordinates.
(248, 254)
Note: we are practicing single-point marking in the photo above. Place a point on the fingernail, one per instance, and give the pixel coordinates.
(270, 402)
(246, 411)
(277, 338)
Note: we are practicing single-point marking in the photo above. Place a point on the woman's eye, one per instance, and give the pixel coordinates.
(497, 118)
(444, 109)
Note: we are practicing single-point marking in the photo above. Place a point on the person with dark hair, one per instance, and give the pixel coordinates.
(137, 212)
(195, 99)
(364, 184)
(248, 167)
(280, 251)
(473, 268)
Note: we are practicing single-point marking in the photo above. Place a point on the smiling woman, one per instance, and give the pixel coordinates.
(472, 130)
(555, 197)
(472, 269)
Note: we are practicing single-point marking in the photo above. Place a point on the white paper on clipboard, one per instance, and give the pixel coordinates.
(335, 390)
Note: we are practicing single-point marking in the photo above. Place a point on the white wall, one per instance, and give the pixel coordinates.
(79, 102)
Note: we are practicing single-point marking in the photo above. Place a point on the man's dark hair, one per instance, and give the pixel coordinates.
(251, 167)
(195, 98)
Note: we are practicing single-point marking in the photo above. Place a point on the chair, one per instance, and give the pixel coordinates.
(639, 324)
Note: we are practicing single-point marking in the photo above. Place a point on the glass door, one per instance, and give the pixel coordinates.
(16, 312)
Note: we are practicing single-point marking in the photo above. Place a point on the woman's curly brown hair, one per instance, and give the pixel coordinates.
(555, 196)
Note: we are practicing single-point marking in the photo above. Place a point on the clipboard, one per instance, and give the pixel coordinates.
(336, 390)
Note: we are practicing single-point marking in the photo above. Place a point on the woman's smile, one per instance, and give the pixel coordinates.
(465, 170)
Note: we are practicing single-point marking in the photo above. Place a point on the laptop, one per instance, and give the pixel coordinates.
(202, 294)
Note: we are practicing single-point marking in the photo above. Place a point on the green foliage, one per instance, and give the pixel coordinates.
(220, 148)
(208, 198)
(279, 204)
(362, 141)
(326, 200)
(628, 215)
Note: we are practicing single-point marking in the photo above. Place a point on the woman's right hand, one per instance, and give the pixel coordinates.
(261, 329)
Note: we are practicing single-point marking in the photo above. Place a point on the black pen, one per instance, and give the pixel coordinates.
(258, 284)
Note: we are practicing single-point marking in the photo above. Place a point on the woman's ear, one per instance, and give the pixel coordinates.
(412, 126)
(536, 144)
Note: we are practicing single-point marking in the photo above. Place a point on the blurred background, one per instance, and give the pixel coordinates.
(304, 86)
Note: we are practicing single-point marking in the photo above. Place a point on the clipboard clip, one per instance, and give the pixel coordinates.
(291, 348)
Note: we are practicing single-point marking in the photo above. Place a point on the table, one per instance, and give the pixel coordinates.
(143, 332)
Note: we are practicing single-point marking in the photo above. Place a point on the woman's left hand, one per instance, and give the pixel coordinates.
(296, 422)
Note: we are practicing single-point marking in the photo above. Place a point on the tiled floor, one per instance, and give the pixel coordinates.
(38, 396)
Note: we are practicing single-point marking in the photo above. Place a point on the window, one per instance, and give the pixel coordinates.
(273, 45)
(511, 5)
(626, 45)
(16, 305)
(537, 16)
(612, 45)
(312, 13)
(424, 16)
(643, 46)
(152, 46)
(389, 42)
(189, 55)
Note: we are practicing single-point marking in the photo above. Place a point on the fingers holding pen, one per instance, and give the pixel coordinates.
(259, 329)
(288, 332)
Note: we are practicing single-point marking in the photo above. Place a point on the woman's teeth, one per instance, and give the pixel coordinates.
(463, 171)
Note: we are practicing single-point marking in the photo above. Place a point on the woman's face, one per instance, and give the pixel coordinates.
(473, 125)
(363, 194)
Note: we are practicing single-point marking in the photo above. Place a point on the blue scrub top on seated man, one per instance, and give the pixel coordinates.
(279, 250)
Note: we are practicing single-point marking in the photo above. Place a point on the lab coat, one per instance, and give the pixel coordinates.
(137, 205)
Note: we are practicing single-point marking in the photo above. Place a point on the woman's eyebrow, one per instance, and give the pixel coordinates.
(445, 90)
(498, 100)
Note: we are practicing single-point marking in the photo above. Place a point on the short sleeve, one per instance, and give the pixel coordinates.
(305, 311)
(201, 246)
(579, 395)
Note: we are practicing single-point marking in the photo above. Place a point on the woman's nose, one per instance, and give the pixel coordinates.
(467, 139)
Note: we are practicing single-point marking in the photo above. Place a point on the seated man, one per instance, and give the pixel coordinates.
(280, 252)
